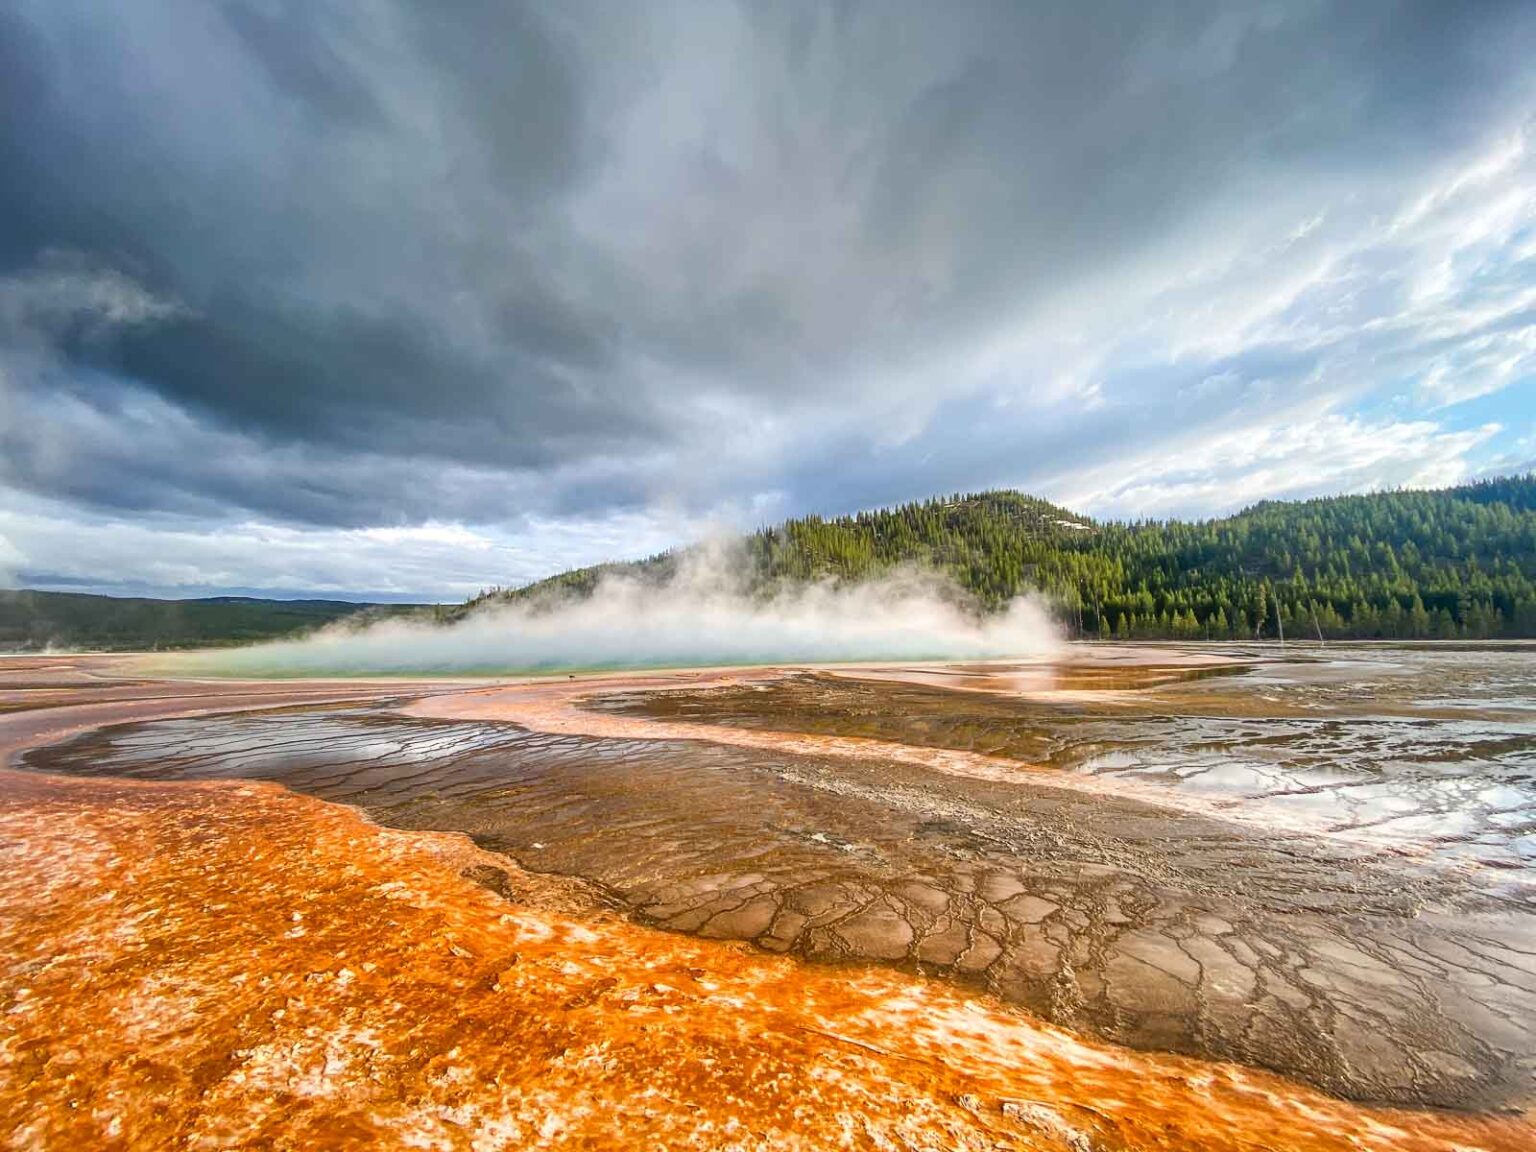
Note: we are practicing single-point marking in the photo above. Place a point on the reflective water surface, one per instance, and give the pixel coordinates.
(1428, 751)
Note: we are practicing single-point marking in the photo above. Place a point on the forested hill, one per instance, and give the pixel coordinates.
(1453, 563)
(30, 621)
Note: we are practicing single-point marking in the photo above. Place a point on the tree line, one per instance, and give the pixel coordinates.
(1453, 563)
(1449, 564)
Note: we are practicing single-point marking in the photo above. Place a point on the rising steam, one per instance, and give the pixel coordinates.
(705, 613)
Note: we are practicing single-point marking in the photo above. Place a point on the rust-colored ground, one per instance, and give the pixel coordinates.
(232, 965)
(218, 965)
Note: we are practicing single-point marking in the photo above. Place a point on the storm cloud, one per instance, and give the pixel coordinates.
(329, 268)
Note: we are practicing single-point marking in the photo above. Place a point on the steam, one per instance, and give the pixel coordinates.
(705, 613)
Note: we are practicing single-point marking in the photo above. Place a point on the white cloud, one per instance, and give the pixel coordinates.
(1294, 458)
(64, 288)
(44, 544)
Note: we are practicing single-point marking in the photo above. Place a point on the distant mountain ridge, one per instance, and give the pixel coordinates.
(32, 620)
(1451, 563)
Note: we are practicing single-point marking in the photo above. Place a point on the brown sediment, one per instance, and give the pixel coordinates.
(566, 708)
(233, 965)
(1339, 963)
(557, 707)
(973, 724)
(1058, 679)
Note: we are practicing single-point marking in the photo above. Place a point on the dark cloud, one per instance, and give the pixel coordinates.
(432, 260)
(296, 43)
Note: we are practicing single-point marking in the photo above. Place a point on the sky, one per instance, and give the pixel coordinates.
(402, 300)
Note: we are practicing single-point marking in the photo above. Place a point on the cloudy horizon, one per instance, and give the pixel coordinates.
(399, 301)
